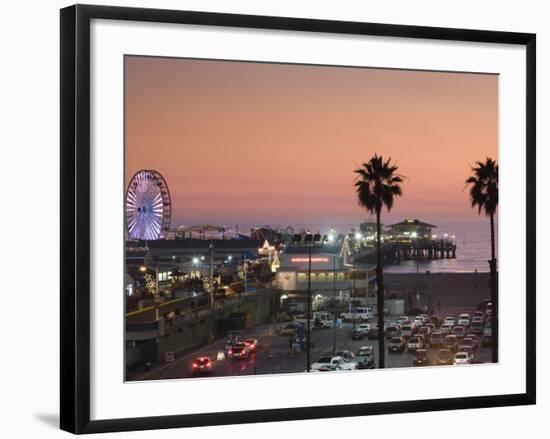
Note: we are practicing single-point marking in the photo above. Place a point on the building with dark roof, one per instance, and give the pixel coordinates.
(411, 229)
(332, 276)
(174, 249)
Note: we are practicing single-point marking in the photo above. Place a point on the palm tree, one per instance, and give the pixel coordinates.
(377, 184)
(484, 195)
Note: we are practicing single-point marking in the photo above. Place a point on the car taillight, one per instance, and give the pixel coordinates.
(195, 365)
(230, 352)
(209, 364)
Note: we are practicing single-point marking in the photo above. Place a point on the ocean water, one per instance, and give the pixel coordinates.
(473, 249)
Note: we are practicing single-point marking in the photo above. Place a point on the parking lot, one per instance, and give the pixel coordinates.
(274, 354)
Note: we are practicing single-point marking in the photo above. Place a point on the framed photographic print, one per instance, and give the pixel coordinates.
(274, 218)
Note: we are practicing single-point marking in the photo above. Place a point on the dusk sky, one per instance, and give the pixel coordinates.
(247, 143)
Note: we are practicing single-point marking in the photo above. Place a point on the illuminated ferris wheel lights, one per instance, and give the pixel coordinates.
(148, 206)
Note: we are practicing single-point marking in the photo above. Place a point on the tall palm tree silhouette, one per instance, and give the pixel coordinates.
(484, 195)
(377, 185)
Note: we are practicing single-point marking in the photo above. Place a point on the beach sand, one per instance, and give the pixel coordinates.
(443, 292)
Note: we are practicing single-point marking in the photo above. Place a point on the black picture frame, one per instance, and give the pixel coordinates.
(75, 217)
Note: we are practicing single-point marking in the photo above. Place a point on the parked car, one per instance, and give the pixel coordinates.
(488, 330)
(420, 357)
(445, 328)
(487, 340)
(450, 320)
(365, 357)
(415, 343)
(444, 357)
(202, 366)
(459, 331)
(333, 361)
(393, 331)
(406, 330)
(476, 327)
(466, 342)
(397, 344)
(478, 314)
(436, 340)
(469, 350)
(323, 320)
(359, 313)
(403, 320)
(358, 334)
(464, 319)
(450, 342)
(471, 340)
(365, 327)
(461, 358)
(361, 331)
(346, 355)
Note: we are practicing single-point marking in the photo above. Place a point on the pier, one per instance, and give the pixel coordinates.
(395, 252)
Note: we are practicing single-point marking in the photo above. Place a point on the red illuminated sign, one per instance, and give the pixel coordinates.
(316, 259)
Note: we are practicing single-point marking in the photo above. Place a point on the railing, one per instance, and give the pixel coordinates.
(190, 316)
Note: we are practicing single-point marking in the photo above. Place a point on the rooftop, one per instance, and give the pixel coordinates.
(413, 222)
(192, 243)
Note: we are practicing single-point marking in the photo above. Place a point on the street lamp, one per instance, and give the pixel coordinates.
(211, 248)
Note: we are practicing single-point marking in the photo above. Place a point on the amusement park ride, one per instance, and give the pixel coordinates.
(148, 206)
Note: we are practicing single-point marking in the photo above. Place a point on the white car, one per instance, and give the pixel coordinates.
(461, 358)
(407, 330)
(464, 320)
(445, 328)
(359, 313)
(415, 343)
(450, 320)
(364, 328)
(334, 361)
(403, 320)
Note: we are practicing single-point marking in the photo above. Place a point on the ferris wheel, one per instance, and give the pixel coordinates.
(148, 206)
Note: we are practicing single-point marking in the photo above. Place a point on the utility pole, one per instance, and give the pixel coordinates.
(211, 248)
(308, 337)
(157, 293)
(245, 272)
(335, 307)
(353, 294)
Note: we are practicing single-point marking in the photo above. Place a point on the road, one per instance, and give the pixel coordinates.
(278, 359)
